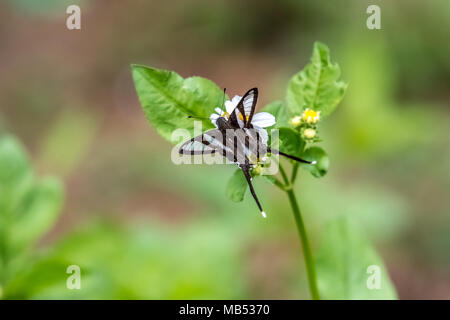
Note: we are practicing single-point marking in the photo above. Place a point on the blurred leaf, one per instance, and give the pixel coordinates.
(322, 162)
(38, 276)
(236, 187)
(28, 207)
(316, 86)
(79, 128)
(383, 212)
(279, 110)
(345, 265)
(290, 142)
(38, 212)
(15, 174)
(168, 99)
(162, 259)
(15, 180)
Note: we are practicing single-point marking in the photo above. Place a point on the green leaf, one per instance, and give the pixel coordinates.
(347, 265)
(106, 251)
(322, 162)
(316, 86)
(236, 187)
(37, 276)
(290, 142)
(15, 174)
(167, 99)
(279, 110)
(38, 212)
(28, 208)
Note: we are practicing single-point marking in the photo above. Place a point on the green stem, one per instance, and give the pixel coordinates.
(309, 261)
(279, 184)
(283, 174)
(294, 173)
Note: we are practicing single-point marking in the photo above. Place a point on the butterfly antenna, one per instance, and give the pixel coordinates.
(291, 157)
(201, 118)
(252, 191)
(223, 100)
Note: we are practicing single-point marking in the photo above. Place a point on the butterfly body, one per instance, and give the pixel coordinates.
(236, 139)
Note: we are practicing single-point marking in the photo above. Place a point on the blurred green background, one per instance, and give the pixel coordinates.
(141, 227)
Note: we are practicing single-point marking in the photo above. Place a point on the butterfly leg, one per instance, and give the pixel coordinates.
(246, 170)
(289, 156)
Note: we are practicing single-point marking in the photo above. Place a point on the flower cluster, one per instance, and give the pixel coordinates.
(307, 124)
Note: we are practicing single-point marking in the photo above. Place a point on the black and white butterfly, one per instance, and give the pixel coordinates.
(236, 139)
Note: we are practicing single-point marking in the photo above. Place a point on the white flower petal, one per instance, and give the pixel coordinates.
(218, 111)
(229, 106)
(236, 100)
(263, 119)
(213, 117)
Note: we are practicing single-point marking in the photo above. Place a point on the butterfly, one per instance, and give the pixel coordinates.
(237, 140)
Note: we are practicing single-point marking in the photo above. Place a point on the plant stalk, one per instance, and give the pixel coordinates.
(307, 253)
(309, 261)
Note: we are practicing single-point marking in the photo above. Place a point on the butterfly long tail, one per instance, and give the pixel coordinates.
(290, 157)
(252, 191)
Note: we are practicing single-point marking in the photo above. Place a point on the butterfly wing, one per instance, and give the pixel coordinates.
(214, 141)
(202, 144)
(244, 110)
(233, 119)
(249, 103)
(210, 142)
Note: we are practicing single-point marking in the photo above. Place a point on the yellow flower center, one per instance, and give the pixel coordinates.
(225, 114)
(241, 117)
(311, 116)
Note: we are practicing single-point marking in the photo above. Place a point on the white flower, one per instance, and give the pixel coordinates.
(229, 107)
(296, 121)
(309, 133)
(259, 120)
